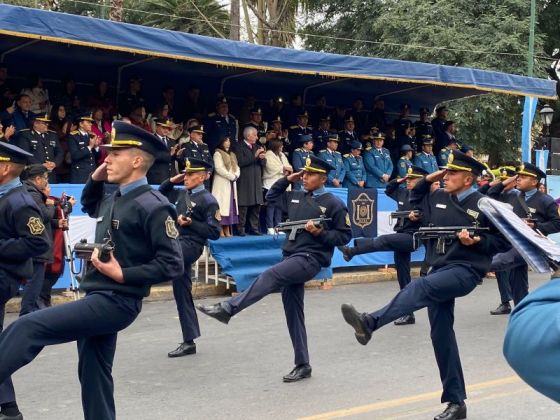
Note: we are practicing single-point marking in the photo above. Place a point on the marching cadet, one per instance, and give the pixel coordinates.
(300, 156)
(321, 135)
(220, 124)
(540, 212)
(303, 257)
(83, 146)
(164, 165)
(354, 165)
(348, 135)
(404, 161)
(195, 148)
(22, 237)
(378, 164)
(140, 222)
(426, 160)
(198, 220)
(42, 143)
(453, 274)
(444, 153)
(296, 131)
(335, 177)
(423, 128)
(402, 241)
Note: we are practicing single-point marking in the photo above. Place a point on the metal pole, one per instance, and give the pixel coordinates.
(531, 56)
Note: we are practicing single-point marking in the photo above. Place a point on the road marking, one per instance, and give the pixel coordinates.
(382, 405)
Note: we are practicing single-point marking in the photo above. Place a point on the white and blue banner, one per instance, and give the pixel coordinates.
(528, 115)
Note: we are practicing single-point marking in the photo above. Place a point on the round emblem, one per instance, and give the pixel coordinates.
(521, 168)
(308, 162)
(450, 158)
(409, 170)
(187, 163)
(504, 173)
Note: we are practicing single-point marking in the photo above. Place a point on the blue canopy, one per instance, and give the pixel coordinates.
(51, 42)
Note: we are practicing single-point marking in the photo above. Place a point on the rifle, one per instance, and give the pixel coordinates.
(401, 216)
(297, 226)
(83, 249)
(445, 235)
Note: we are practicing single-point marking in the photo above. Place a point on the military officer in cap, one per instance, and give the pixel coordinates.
(354, 164)
(453, 274)
(140, 223)
(42, 143)
(321, 135)
(302, 258)
(423, 128)
(401, 242)
(402, 123)
(333, 158)
(296, 132)
(378, 164)
(540, 212)
(22, 237)
(220, 124)
(164, 166)
(444, 153)
(83, 146)
(198, 220)
(257, 122)
(300, 156)
(426, 160)
(348, 135)
(404, 162)
(195, 148)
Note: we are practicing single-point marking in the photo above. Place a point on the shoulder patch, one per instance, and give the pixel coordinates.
(35, 225)
(170, 228)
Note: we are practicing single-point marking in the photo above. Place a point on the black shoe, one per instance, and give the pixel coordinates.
(358, 322)
(184, 349)
(346, 252)
(241, 233)
(216, 311)
(298, 373)
(15, 417)
(255, 233)
(405, 320)
(454, 411)
(502, 309)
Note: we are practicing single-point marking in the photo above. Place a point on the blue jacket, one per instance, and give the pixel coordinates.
(442, 156)
(355, 171)
(298, 162)
(426, 162)
(335, 159)
(377, 164)
(402, 167)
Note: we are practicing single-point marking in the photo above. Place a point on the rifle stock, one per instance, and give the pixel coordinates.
(445, 235)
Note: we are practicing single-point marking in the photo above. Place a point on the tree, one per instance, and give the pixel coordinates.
(116, 12)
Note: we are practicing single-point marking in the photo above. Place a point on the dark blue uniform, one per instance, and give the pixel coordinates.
(83, 159)
(423, 128)
(164, 164)
(22, 237)
(205, 225)
(44, 147)
(192, 150)
(217, 127)
(141, 223)
(294, 136)
(346, 138)
(320, 138)
(302, 258)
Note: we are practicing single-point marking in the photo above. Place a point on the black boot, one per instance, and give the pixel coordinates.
(358, 322)
(216, 311)
(347, 252)
(502, 309)
(298, 373)
(454, 411)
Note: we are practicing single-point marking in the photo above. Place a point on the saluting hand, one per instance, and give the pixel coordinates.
(296, 176)
(177, 179)
(436, 176)
(100, 173)
(111, 268)
(466, 239)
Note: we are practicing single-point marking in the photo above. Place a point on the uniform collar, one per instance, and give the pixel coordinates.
(318, 192)
(132, 185)
(6, 188)
(530, 193)
(197, 189)
(464, 194)
(83, 133)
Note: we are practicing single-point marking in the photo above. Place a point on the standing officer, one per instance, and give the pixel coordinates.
(333, 158)
(540, 212)
(257, 122)
(22, 237)
(354, 165)
(439, 127)
(297, 131)
(322, 134)
(423, 128)
(83, 146)
(302, 258)
(403, 123)
(378, 164)
(141, 224)
(453, 274)
(404, 161)
(300, 156)
(196, 148)
(348, 135)
(198, 220)
(402, 241)
(220, 124)
(42, 143)
(444, 153)
(164, 165)
(426, 160)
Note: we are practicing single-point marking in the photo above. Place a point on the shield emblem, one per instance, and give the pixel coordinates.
(362, 210)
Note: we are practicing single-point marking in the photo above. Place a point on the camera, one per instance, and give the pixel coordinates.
(65, 205)
(83, 249)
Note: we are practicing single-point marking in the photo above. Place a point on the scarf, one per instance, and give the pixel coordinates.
(230, 160)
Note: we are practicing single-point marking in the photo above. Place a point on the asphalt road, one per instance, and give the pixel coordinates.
(238, 369)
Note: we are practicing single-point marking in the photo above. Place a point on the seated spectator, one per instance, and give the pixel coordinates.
(69, 98)
(102, 99)
(378, 164)
(21, 115)
(7, 132)
(102, 129)
(84, 149)
(58, 117)
(224, 186)
(354, 166)
(276, 167)
(138, 118)
(132, 98)
(40, 103)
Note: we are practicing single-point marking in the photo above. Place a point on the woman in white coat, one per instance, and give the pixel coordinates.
(224, 187)
(276, 167)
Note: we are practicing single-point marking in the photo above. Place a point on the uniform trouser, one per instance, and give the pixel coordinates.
(46, 291)
(518, 276)
(8, 289)
(32, 289)
(437, 291)
(288, 276)
(402, 244)
(252, 212)
(93, 322)
(502, 278)
(182, 291)
(273, 216)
